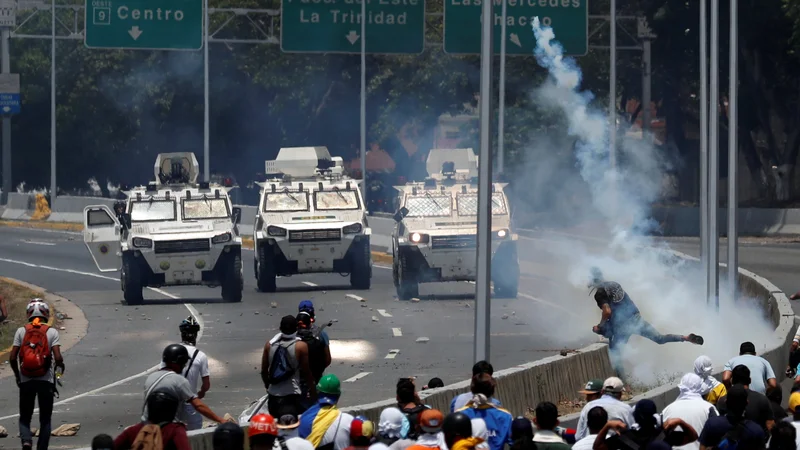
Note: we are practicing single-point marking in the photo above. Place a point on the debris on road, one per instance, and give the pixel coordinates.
(422, 339)
(68, 429)
(273, 305)
(3, 432)
(374, 319)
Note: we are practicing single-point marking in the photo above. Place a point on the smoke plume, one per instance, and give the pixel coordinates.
(613, 202)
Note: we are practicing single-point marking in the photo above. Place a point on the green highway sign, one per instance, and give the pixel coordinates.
(334, 26)
(569, 19)
(144, 24)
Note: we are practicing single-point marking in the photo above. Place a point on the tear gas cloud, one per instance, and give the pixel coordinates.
(614, 203)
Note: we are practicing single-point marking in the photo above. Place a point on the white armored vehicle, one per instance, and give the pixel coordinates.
(435, 238)
(172, 232)
(311, 219)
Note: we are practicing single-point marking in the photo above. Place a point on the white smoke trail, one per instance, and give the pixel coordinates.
(113, 189)
(95, 187)
(668, 295)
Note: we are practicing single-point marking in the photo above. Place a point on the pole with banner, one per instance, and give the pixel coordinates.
(9, 90)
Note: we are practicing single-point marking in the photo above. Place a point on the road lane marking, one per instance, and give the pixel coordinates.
(357, 377)
(397, 332)
(192, 310)
(384, 313)
(354, 297)
(382, 267)
(392, 354)
(49, 244)
(308, 283)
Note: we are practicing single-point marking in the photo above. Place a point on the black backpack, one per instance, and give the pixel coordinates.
(280, 368)
(730, 441)
(316, 352)
(413, 414)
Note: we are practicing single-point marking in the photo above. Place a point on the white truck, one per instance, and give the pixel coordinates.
(172, 232)
(435, 237)
(311, 219)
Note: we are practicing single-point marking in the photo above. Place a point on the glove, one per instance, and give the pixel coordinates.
(790, 373)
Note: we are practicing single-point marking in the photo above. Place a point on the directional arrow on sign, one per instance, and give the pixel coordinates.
(135, 32)
(352, 37)
(515, 39)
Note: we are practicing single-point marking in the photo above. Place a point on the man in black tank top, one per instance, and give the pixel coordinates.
(621, 319)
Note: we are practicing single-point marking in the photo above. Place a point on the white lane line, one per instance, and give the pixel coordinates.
(384, 313)
(357, 377)
(308, 283)
(191, 309)
(392, 354)
(382, 267)
(49, 244)
(397, 332)
(354, 297)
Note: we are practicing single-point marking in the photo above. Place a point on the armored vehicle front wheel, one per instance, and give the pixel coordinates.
(131, 278)
(361, 269)
(407, 284)
(265, 270)
(231, 278)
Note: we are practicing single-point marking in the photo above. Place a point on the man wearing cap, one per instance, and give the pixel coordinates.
(307, 307)
(361, 432)
(430, 422)
(593, 389)
(287, 392)
(288, 424)
(611, 402)
(718, 428)
(323, 424)
(761, 374)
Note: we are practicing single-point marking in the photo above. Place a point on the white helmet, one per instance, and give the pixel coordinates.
(38, 308)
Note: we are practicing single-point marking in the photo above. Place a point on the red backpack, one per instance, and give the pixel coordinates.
(34, 353)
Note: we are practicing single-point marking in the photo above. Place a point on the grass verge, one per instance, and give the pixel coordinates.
(17, 298)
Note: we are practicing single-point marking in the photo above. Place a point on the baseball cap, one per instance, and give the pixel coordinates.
(361, 431)
(521, 426)
(306, 306)
(613, 385)
(431, 420)
(794, 401)
(593, 386)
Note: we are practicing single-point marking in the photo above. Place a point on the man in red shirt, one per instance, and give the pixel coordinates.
(162, 408)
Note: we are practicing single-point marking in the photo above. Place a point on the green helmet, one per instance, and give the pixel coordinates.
(329, 384)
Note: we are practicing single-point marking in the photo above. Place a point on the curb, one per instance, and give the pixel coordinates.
(6, 351)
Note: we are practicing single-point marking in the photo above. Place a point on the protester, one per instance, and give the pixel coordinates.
(319, 350)
(690, 407)
(324, 425)
(758, 407)
(498, 420)
(717, 428)
(546, 420)
(393, 428)
(461, 400)
(430, 422)
(262, 432)
(228, 436)
(3, 309)
(35, 347)
(596, 419)
(593, 389)
(783, 436)
(712, 388)
(408, 403)
(168, 379)
(103, 442)
(457, 429)
(361, 433)
(283, 362)
(288, 434)
(522, 434)
(160, 424)
(610, 401)
(646, 430)
(775, 397)
(196, 371)
(480, 431)
(761, 373)
(435, 382)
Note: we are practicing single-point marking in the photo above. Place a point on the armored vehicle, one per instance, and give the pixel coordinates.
(311, 219)
(435, 238)
(172, 232)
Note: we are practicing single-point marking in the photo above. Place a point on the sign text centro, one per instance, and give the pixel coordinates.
(334, 26)
(140, 24)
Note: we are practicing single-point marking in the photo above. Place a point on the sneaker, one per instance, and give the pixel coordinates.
(27, 445)
(696, 339)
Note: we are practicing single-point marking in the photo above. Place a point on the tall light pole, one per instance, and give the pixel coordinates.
(713, 160)
(53, 188)
(612, 89)
(501, 120)
(733, 154)
(705, 244)
(206, 112)
(363, 118)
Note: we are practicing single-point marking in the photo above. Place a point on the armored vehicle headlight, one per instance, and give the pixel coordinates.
(142, 242)
(352, 229)
(502, 233)
(222, 238)
(276, 231)
(419, 238)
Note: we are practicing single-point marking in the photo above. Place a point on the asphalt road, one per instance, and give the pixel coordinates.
(374, 341)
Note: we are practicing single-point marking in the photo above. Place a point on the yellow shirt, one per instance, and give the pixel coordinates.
(714, 394)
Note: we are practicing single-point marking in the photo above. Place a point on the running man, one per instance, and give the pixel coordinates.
(621, 319)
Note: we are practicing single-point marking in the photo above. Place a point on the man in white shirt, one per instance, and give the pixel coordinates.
(596, 419)
(611, 402)
(690, 407)
(196, 371)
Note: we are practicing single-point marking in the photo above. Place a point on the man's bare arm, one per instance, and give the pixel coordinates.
(204, 387)
(265, 365)
(12, 361)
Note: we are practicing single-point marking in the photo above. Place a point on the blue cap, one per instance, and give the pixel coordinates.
(306, 306)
